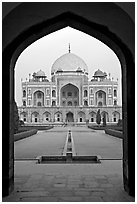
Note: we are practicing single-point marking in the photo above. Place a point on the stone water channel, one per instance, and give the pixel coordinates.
(68, 154)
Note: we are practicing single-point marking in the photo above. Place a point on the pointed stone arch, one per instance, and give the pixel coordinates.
(92, 116)
(70, 95)
(107, 115)
(24, 116)
(81, 116)
(35, 117)
(58, 117)
(115, 116)
(96, 24)
(46, 116)
(38, 98)
(100, 98)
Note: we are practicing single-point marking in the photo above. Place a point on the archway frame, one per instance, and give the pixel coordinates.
(70, 84)
(105, 98)
(33, 96)
(102, 33)
(70, 113)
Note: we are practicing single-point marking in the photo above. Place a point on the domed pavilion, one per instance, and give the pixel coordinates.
(69, 97)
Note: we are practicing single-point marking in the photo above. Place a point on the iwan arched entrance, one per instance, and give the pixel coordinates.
(69, 95)
(100, 26)
(69, 117)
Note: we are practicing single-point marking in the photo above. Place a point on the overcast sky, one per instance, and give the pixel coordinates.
(43, 53)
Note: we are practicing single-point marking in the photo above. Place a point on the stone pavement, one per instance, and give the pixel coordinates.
(68, 182)
(86, 141)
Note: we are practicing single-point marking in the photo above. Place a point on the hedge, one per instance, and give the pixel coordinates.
(23, 135)
(114, 133)
(105, 127)
(26, 128)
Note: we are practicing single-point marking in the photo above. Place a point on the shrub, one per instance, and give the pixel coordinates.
(119, 122)
(98, 117)
(21, 123)
(114, 133)
(23, 135)
(104, 119)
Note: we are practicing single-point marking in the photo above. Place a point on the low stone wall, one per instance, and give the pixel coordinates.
(114, 133)
(23, 135)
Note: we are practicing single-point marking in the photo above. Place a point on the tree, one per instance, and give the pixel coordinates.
(98, 117)
(119, 123)
(21, 123)
(16, 118)
(104, 119)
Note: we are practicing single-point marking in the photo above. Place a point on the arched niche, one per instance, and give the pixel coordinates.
(69, 95)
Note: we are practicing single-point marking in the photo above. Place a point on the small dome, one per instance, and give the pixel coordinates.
(40, 73)
(69, 62)
(99, 73)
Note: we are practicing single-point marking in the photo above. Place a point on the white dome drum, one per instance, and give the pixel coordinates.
(69, 62)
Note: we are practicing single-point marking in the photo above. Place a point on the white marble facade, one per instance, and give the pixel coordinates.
(70, 97)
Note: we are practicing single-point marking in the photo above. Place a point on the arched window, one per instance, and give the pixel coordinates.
(35, 117)
(47, 92)
(58, 117)
(99, 103)
(24, 93)
(39, 103)
(115, 102)
(29, 91)
(24, 117)
(69, 103)
(75, 103)
(109, 91)
(63, 103)
(100, 95)
(69, 94)
(80, 119)
(39, 95)
(81, 116)
(24, 103)
(63, 94)
(109, 101)
(92, 117)
(53, 103)
(115, 93)
(91, 102)
(114, 117)
(53, 93)
(91, 91)
(85, 103)
(85, 93)
(47, 117)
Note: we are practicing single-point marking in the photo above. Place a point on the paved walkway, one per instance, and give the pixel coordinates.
(86, 141)
(68, 183)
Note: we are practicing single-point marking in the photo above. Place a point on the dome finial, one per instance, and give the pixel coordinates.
(69, 48)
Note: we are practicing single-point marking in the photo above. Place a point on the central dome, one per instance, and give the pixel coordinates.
(69, 62)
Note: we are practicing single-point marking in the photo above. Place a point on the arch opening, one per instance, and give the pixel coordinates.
(122, 60)
(69, 117)
(69, 95)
